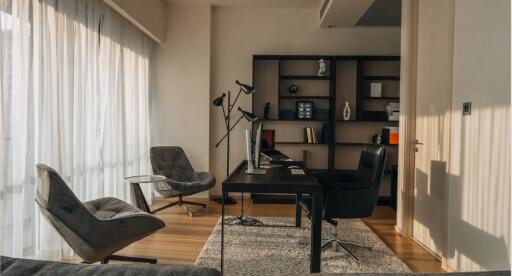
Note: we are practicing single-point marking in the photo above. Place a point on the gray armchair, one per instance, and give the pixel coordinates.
(94, 229)
(182, 180)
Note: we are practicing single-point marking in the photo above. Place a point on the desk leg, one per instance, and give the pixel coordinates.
(222, 237)
(298, 211)
(140, 201)
(316, 233)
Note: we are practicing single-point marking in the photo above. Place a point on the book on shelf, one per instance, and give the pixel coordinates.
(311, 135)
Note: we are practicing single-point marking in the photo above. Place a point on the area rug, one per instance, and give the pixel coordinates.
(275, 249)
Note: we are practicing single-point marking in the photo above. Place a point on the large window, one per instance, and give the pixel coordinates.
(74, 95)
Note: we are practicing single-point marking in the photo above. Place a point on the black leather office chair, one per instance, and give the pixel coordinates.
(351, 195)
(95, 229)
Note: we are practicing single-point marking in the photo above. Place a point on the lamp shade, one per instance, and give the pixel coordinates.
(219, 100)
(246, 88)
(248, 115)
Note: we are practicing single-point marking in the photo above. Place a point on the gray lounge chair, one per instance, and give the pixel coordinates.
(94, 229)
(182, 180)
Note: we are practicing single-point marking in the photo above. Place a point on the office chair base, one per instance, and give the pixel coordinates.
(244, 221)
(128, 259)
(180, 202)
(338, 244)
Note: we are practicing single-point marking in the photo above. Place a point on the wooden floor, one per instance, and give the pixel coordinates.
(183, 238)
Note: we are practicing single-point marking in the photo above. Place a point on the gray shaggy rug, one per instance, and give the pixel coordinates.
(275, 249)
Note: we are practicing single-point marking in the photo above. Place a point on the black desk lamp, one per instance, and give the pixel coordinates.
(219, 102)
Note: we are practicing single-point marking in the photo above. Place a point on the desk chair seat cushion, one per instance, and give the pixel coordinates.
(112, 208)
(172, 162)
(198, 182)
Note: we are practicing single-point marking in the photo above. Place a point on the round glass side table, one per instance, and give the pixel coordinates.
(137, 195)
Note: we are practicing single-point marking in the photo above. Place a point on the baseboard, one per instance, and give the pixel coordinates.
(397, 229)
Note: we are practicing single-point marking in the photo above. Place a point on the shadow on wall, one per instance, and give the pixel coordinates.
(475, 188)
(487, 250)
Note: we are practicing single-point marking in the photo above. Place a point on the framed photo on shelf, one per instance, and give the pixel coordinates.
(304, 109)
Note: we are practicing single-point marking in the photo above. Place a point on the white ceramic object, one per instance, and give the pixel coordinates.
(346, 112)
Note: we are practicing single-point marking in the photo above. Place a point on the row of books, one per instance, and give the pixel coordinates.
(312, 135)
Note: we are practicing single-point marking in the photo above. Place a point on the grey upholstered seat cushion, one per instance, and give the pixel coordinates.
(172, 162)
(15, 267)
(109, 207)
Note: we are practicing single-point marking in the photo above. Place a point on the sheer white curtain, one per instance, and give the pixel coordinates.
(74, 95)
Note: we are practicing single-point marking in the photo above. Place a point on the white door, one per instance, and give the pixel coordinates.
(433, 103)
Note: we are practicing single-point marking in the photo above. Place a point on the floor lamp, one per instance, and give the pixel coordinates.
(219, 102)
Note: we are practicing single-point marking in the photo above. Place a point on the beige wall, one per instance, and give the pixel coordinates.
(151, 17)
(239, 33)
(479, 212)
(180, 101)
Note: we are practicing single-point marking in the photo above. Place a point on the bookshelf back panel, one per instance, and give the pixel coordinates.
(302, 67)
(390, 88)
(291, 103)
(266, 79)
(306, 87)
(290, 131)
(360, 132)
(346, 87)
(381, 68)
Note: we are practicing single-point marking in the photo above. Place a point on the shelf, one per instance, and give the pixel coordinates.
(365, 121)
(382, 98)
(298, 143)
(394, 78)
(294, 120)
(305, 97)
(359, 144)
(290, 77)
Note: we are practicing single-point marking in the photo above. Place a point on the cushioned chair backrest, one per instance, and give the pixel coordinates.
(171, 162)
(358, 202)
(370, 164)
(63, 210)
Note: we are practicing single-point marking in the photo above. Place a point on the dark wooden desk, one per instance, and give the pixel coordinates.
(279, 180)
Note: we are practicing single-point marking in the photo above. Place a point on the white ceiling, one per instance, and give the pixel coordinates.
(298, 4)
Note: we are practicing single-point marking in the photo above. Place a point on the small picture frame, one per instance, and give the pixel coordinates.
(304, 110)
(375, 89)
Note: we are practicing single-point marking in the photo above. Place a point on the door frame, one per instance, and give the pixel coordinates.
(406, 149)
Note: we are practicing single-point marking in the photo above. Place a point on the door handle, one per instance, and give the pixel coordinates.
(416, 143)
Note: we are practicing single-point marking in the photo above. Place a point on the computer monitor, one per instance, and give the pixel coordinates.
(257, 146)
(250, 166)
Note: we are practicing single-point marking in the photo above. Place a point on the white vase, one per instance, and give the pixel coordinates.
(346, 112)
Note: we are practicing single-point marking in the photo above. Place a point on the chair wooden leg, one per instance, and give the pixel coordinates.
(166, 206)
(193, 203)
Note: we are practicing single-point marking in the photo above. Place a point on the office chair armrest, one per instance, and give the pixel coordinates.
(353, 185)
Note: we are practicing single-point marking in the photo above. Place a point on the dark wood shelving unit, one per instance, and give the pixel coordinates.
(347, 79)
(382, 98)
(298, 143)
(306, 97)
(305, 77)
(359, 144)
(382, 78)
(367, 121)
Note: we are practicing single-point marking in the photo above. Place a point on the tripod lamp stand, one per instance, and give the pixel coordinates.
(219, 102)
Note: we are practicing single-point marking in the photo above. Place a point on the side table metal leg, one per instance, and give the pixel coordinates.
(140, 201)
